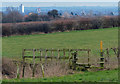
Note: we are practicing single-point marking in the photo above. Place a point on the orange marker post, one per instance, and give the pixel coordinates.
(101, 54)
(101, 48)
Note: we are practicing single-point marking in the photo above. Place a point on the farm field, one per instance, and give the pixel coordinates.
(100, 76)
(86, 39)
(12, 46)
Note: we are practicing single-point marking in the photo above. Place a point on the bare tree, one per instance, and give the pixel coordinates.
(12, 16)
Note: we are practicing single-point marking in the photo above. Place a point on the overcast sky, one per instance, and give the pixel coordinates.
(60, 0)
(40, 4)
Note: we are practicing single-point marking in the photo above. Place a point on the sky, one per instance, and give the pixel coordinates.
(46, 3)
(60, 0)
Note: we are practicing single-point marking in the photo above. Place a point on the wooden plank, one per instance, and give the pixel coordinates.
(59, 49)
(82, 63)
(80, 49)
(61, 57)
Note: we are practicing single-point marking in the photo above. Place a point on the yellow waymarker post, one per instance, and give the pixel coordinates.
(101, 46)
(101, 54)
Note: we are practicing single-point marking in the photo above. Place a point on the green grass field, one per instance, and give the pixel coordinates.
(12, 46)
(100, 76)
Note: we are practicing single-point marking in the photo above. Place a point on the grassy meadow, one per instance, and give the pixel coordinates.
(12, 46)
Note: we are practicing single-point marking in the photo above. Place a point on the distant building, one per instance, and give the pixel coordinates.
(66, 15)
(30, 13)
(83, 13)
(25, 16)
(38, 10)
(21, 7)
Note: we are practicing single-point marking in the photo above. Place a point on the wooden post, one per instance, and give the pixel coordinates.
(64, 53)
(88, 57)
(42, 68)
(118, 53)
(115, 51)
(58, 53)
(45, 54)
(23, 62)
(107, 55)
(69, 57)
(18, 76)
(51, 53)
(33, 63)
(40, 55)
(69, 53)
(74, 60)
(101, 54)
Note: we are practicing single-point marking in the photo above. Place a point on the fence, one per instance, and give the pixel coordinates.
(110, 56)
(53, 54)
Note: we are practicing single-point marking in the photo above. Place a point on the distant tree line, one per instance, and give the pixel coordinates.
(60, 25)
(11, 16)
(14, 16)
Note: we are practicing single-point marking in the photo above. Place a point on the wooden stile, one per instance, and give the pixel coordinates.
(51, 56)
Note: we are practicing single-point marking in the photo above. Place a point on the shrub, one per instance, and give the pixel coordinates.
(59, 25)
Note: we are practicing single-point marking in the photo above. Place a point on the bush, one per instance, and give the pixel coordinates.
(59, 25)
(32, 17)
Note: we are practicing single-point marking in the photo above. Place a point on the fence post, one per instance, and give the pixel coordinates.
(33, 63)
(64, 54)
(51, 54)
(58, 54)
(107, 55)
(88, 57)
(23, 62)
(40, 54)
(46, 54)
(42, 68)
(74, 60)
(101, 54)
